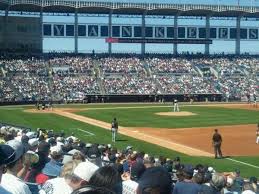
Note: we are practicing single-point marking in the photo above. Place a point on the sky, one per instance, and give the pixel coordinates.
(99, 45)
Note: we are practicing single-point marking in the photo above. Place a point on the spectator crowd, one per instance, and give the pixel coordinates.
(48, 162)
(69, 78)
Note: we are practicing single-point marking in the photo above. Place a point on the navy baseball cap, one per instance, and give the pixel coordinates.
(188, 169)
(7, 154)
(156, 177)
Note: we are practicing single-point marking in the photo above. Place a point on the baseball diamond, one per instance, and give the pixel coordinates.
(129, 97)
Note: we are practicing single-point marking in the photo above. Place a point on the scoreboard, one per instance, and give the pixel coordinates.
(21, 33)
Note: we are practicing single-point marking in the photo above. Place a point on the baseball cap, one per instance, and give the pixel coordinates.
(188, 168)
(18, 148)
(93, 152)
(156, 177)
(88, 145)
(56, 150)
(33, 142)
(69, 156)
(253, 179)
(128, 147)
(7, 154)
(211, 169)
(31, 134)
(85, 170)
(60, 139)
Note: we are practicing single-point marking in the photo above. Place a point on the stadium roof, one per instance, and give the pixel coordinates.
(91, 7)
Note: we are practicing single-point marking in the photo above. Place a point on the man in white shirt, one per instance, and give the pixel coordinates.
(7, 154)
(10, 181)
(66, 185)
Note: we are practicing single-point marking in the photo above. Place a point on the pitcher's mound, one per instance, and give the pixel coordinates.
(176, 114)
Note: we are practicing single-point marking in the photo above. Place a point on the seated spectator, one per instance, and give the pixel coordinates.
(65, 185)
(92, 190)
(106, 177)
(238, 182)
(69, 168)
(248, 189)
(94, 155)
(229, 186)
(136, 171)
(253, 182)
(7, 155)
(53, 167)
(10, 181)
(155, 180)
(35, 175)
(215, 186)
(149, 161)
(187, 185)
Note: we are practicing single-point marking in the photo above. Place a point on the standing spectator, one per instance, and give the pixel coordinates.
(216, 141)
(114, 129)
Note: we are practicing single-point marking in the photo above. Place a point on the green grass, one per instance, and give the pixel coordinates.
(57, 123)
(145, 117)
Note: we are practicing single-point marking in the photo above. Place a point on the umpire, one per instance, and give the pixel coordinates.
(216, 142)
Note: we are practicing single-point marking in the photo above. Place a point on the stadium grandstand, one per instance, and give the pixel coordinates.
(86, 52)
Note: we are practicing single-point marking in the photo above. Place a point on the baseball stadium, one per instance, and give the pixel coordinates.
(129, 97)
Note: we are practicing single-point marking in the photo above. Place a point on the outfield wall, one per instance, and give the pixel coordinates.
(131, 98)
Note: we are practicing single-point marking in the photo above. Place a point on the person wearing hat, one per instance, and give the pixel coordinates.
(176, 106)
(65, 185)
(187, 185)
(53, 167)
(257, 133)
(7, 154)
(239, 181)
(216, 142)
(10, 180)
(155, 180)
(114, 129)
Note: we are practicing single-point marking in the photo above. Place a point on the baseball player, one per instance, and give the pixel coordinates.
(114, 129)
(257, 133)
(255, 100)
(176, 107)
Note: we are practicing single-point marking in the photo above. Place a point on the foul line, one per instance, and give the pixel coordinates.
(247, 164)
(84, 131)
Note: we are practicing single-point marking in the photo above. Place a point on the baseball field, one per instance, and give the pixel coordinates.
(155, 129)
